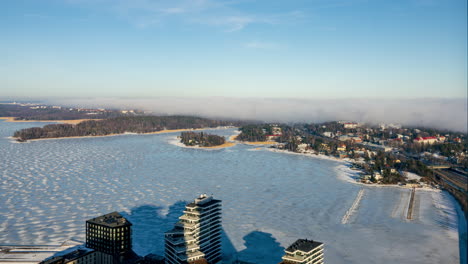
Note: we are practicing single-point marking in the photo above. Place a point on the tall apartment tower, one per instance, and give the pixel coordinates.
(197, 234)
(304, 251)
(111, 236)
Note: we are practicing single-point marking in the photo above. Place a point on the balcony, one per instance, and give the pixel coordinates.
(305, 257)
(179, 240)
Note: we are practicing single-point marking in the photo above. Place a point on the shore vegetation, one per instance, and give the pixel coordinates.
(201, 139)
(118, 125)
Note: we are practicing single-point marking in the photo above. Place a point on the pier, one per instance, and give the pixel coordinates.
(409, 213)
(353, 207)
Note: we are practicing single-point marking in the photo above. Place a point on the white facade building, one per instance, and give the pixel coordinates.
(351, 125)
(304, 251)
(197, 235)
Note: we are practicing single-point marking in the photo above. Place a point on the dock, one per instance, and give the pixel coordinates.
(409, 213)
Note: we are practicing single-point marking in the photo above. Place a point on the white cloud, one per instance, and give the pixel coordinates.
(222, 14)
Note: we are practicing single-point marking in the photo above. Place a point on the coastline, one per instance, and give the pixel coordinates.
(229, 143)
(71, 122)
(175, 141)
(345, 173)
(259, 143)
(126, 133)
(233, 138)
(316, 156)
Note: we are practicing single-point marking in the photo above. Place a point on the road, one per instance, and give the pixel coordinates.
(453, 178)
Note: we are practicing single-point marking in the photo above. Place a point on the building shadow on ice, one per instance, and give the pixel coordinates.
(150, 222)
(261, 247)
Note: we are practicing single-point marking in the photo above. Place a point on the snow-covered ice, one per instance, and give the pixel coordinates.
(48, 189)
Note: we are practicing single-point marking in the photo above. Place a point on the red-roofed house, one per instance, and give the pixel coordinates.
(426, 140)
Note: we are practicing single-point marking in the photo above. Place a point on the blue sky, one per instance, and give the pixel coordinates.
(234, 48)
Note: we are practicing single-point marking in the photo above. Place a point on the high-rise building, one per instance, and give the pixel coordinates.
(304, 251)
(111, 236)
(197, 235)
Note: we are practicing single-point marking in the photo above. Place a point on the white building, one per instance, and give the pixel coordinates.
(378, 176)
(350, 125)
(197, 235)
(304, 251)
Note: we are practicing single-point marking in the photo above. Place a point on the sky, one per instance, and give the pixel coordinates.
(303, 49)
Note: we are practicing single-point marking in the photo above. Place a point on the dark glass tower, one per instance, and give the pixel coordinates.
(110, 234)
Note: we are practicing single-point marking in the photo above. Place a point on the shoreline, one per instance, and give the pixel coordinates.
(71, 122)
(125, 133)
(317, 156)
(229, 143)
(253, 143)
(225, 145)
(345, 173)
(259, 143)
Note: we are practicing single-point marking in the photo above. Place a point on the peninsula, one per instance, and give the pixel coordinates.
(119, 125)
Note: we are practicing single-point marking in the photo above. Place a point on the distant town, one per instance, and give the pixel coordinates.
(38, 111)
(384, 154)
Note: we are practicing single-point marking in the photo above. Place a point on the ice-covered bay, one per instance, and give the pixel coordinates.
(49, 188)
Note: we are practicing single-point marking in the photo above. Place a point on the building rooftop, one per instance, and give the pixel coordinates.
(304, 245)
(33, 254)
(203, 201)
(69, 256)
(113, 219)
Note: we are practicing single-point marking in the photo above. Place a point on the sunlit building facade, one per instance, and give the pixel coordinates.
(197, 235)
(304, 251)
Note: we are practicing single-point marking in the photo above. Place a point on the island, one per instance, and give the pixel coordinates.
(120, 125)
(201, 139)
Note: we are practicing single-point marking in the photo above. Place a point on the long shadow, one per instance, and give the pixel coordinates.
(227, 248)
(261, 247)
(149, 225)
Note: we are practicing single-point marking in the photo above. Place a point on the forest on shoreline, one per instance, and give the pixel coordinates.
(119, 125)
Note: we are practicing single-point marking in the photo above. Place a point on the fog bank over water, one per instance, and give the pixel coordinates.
(439, 113)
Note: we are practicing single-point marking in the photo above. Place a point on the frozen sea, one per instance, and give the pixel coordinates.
(49, 188)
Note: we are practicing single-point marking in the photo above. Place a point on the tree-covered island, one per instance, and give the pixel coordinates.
(119, 125)
(201, 139)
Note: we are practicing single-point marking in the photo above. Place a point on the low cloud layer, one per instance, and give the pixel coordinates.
(439, 113)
